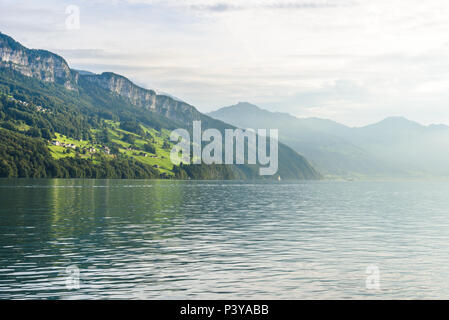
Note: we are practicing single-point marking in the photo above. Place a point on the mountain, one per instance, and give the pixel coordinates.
(416, 149)
(144, 98)
(84, 72)
(101, 125)
(394, 147)
(315, 138)
(162, 93)
(40, 64)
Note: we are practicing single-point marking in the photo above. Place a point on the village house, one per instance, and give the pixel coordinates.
(62, 144)
(41, 109)
(68, 145)
(90, 150)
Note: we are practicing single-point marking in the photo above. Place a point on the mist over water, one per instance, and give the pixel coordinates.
(223, 239)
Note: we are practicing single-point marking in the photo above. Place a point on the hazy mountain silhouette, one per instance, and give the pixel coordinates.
(393, 147)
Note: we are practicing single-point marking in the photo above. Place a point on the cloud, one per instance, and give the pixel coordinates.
(351, 60)
(251, 5)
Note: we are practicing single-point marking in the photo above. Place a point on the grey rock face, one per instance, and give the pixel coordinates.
(39, 64)
(50, 67)
(148, 99)
(124, 87)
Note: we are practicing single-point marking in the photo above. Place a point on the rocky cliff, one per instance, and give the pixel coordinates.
(50, 67)
(148, 99)
(40, 64)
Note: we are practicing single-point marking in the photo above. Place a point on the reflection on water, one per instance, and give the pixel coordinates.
(174, 239)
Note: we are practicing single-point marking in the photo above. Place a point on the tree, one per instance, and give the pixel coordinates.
(5, 169)
(132, 126)
(115, 150)
(166, 145)
(149, 148)
(34, 132)
(103, 136)
(148, 135)
(130, 138)
(9, 125)
(46, 134)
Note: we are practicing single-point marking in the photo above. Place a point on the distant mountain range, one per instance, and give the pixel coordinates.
(394, 147)
(43, 99)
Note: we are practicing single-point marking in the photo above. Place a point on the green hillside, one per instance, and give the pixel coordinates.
(46, 126)
(100, 126)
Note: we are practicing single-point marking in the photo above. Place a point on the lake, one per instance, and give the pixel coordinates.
(145, 239)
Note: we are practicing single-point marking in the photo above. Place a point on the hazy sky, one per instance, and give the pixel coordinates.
(348, 60)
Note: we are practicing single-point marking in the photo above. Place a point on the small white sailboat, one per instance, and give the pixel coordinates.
(279, 178)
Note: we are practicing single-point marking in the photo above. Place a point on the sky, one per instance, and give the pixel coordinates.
(352, 61)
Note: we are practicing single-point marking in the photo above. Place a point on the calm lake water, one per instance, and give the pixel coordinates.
(138, 239)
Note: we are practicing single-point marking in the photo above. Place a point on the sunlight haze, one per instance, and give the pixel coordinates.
(355, 62)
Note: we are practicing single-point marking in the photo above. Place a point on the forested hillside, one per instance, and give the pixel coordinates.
(47, 131)
(57, 122)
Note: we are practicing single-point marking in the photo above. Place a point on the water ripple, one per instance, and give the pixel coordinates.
(220, 240)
